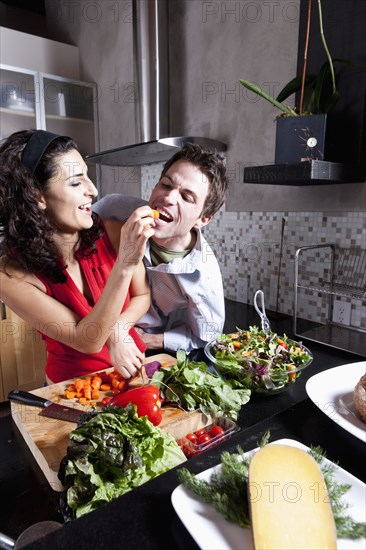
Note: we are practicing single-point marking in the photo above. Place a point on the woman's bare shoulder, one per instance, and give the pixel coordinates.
(11, 275)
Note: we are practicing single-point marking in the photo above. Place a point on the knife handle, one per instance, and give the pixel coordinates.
(27, 398)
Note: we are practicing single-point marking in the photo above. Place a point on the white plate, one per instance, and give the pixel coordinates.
(332, 391)
(212, 532)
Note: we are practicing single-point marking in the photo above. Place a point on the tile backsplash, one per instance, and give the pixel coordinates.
(257, 251)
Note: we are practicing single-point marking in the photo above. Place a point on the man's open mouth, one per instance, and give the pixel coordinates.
(164, 215)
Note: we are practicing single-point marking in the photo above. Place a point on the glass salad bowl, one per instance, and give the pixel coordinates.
(259, 360)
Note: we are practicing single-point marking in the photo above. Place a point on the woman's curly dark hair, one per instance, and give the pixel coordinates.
(26, 232)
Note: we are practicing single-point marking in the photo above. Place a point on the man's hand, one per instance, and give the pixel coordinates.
(152, 341)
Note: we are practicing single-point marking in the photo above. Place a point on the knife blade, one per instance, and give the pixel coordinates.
(49, 409)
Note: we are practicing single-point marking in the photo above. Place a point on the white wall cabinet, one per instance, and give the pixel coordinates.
(31, 99)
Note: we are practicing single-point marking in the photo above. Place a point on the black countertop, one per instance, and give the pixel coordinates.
(144, 517)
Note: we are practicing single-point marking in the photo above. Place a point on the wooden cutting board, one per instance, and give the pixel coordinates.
(48, 438)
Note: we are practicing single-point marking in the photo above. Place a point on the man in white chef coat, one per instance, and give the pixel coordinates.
(187, 300)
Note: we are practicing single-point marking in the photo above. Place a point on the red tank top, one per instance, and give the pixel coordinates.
(64, 362)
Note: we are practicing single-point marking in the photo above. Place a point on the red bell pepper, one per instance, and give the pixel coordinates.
(146, 399)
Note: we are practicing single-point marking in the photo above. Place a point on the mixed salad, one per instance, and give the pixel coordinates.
(259, 360)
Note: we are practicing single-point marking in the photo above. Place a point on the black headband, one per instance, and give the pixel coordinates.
(36, 147)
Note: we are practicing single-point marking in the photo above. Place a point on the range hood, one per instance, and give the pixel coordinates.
(151, 74)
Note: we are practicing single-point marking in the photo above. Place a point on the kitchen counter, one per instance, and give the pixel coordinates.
(144, 517)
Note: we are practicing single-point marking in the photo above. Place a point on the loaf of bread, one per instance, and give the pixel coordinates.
(359, 398)
(289, 503)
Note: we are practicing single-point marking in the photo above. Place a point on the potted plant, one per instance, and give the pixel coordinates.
(301, 132)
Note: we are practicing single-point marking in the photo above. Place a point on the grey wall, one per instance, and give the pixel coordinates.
(103, 32)
(212, 45)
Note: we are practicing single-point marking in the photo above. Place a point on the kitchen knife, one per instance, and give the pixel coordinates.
(49, 409)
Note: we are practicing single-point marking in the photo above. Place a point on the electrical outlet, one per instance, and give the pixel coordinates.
(341, 312)
(242, 290)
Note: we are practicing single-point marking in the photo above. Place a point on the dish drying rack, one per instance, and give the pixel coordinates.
(325, 274)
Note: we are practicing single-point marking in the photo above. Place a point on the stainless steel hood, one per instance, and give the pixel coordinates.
(151, 72)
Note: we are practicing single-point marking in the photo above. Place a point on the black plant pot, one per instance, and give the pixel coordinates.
(302, 138)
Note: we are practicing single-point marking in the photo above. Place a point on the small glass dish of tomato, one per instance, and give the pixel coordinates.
(194, 443)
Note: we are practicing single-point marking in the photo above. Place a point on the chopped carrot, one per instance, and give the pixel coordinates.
(115, 383)
(95, 394)
(87, 394)
(123, 385)
(88, 388)
(164, 364)
(96, 383)
(79, 384)
(155, 214)
(236, 344)
(70, 394)
(292, 375)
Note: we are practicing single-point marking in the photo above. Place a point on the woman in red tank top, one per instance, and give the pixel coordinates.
(82, 284)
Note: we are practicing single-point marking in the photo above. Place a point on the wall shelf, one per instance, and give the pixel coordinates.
(312, 172)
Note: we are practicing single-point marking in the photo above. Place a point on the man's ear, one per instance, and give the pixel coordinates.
(203, 221)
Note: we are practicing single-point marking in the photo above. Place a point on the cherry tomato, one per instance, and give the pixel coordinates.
(216, 431)
(187, 451)
(192, 438)
(200, 432)
(204, 438)
(105, 401)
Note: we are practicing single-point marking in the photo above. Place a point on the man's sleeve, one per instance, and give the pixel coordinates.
(117, 206)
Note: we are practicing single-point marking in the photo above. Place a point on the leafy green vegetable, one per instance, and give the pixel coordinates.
(109, 454)
(227, 490)
(190, 384)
